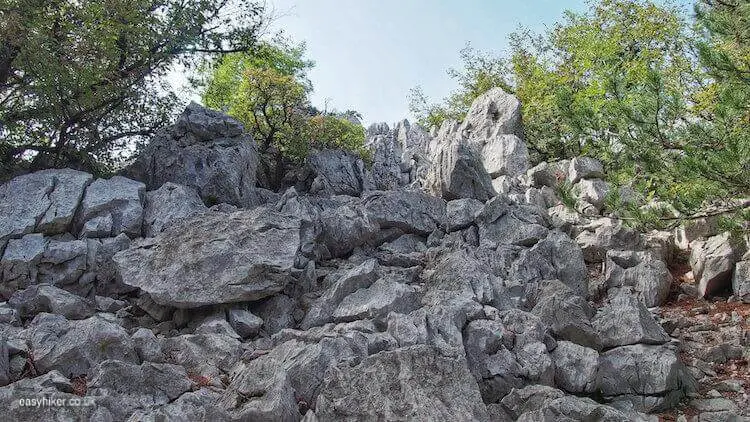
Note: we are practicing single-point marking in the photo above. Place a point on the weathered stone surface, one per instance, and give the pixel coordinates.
(625, 321)
(584, 168)
(495, 112)
(741, 281)
(43, 202)
(649, 377)
(529, 398)
(572, 408)
(20, 262)
(457, 171)
(168, 205)
(123, 387)
(207, 355)
(50, 299)
(567, 314)
(460, 213)
(199, 405)
(110, 207)
(504, 222)
(388, 157)
(345, 227)
(215, 258)
(277, 312)
(147, 346)
(337, 172)
(491, 360)
(641, 271)
(548, 174)
(205, 150)
(409, 211)
(505, 155)
(712, 262)
(244, 322)
(555, 257)
(575, 367)
(604, 234)
(53, 386)
(414, 383)
(382, 297)
(360, 277)
(75, 347)
(593, 192)
(290, 373)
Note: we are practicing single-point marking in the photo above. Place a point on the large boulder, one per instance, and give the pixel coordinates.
(408, 211)
(457, 170)
(215, 258)
(712, 261)
(642, 272)
(501, 221)
(493, 113)
(650, 378)
(168, 205)
(605, 234)
(741, 281)
(123, 388)
(205, 150)
(20, 261)
(75, 347)
(110, 207)
(42, 202)
(575, 367)
(413, 383)
(584, 168)
(387, 158)
(46, 298)
(336, 172)
(625, 321)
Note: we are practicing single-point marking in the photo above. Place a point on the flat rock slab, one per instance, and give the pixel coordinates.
(215, 258)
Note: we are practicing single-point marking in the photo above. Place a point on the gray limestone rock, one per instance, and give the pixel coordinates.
(110, 207)
(168, 205)
(205, 150)
(641, 271)
(75, 347)
(712, 262)
(625, 321)
(414, 383)
(215, 258)
(45, 298)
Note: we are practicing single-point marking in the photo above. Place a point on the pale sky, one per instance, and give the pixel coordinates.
(370, 53)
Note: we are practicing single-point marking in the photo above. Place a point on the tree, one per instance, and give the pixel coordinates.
(269, 92)
(78, 80)
(720, 151)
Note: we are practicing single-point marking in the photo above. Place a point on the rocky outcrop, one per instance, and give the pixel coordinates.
(354, 295)
(206, 151)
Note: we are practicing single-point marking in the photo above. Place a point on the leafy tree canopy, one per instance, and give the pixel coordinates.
(269, 92)
(78, 79)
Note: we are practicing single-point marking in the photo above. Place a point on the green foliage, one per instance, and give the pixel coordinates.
(664, 103)
(268, 91)
(480, 73)
(80, 79)
(567, 194)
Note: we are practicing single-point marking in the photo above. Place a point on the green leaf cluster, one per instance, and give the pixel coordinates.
(268, 90)
(80, 80)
